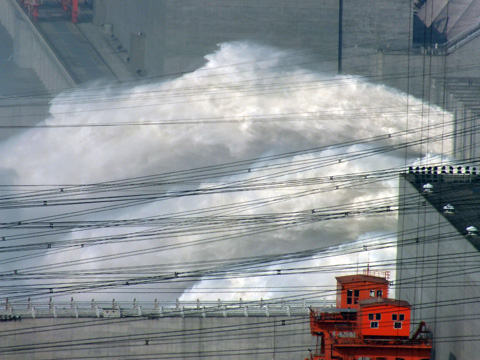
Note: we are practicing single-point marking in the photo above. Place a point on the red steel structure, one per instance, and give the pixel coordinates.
(72, 7)
(68, 6)
(367, 325)
(31, 6)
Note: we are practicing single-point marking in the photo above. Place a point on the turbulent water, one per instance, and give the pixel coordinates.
(248, 102)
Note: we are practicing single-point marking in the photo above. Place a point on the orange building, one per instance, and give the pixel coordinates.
(353, 288)
(367, 325)
(382, 317)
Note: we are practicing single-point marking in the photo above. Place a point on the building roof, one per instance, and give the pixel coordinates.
(383, 301)
(462, 191)
(358, 278)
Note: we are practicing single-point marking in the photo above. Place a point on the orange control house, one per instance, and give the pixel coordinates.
(367, 325)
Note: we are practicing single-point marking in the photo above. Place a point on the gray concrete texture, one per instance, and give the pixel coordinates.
(169, 338)
(30, 50)
(437, 272)
(179, 33)
(22, 93)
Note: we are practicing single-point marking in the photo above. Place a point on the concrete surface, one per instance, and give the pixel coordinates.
(437, 270)
(279, 338)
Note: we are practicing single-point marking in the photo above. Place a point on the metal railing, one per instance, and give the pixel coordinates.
(14, 311)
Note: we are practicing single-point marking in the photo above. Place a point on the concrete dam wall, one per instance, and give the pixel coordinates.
(30, 50)
(226, 331)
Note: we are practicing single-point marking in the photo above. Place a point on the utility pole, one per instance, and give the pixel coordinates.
(340, 35)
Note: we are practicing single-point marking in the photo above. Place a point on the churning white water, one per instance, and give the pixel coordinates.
(247, 102)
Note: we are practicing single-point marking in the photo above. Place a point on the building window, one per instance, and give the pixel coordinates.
(374, 324)
(378, 316)
(371, 316)
(394, 317)
(402, 317)
(397, 325)
(352, 296)
(356, 294)
(372, 293)
(349, 296)
(379, 293)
